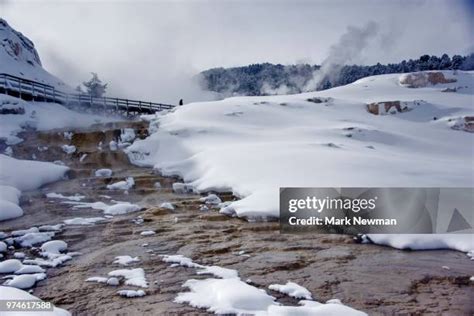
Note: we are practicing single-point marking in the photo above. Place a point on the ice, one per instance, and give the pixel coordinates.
(292, 289)
(125, 260)
(134, 277)
(3, 246)
(83, 221)
(131, 293)
(122, 185)
(22, 232)
(105, 173)
(75, 197)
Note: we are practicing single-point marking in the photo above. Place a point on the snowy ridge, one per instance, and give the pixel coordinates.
(18, 57)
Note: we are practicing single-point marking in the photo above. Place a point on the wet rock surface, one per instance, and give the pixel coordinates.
(374, 279)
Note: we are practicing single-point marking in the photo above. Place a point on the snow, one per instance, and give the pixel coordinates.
(460, 242)
(23, 175)
(75, 197)
(25, 281)
(54, 247)
(292, 289)
(125, 260)
(114, 209)
(131, 293)
(27, 269)
(219, 272)
(32, 239)
(10, 266)
(225, 296)
(42, 116)
(69, 149)
(3, 246)
(122, 185)
(22, 232)
(134, 277)
(18, 255)
(127, 135)
(211, 199)
(97, 279)
(10, 293)
(147, 233)
(113, 281)
(121, 208)
(286, 141)
(181, 260)
(106, 173)
(83, 221)
(230, 295)
(167, 205)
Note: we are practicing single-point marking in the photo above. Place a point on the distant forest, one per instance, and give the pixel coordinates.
(267, 79)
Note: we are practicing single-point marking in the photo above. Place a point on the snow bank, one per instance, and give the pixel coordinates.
(22, 175)
(10, 293)
(252, 146)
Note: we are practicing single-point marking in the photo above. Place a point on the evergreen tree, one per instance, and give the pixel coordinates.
(95, 87)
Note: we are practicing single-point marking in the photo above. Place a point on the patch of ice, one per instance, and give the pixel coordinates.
(97, 279)
(181, 260)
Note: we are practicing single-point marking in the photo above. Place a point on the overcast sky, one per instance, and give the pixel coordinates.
(150, 49)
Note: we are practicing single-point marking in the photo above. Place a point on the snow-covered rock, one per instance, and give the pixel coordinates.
(167, 205)
(24, 281)
(69, 149)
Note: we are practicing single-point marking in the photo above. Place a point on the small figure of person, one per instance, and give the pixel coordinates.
(181, 102)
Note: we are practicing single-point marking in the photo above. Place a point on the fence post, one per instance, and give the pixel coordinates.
(116, 105)
(126, 103)
(44, 93)
(54, 95)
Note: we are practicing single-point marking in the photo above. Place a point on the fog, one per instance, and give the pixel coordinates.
(153, 49)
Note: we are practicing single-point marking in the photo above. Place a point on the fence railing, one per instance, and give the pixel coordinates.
(32, 90)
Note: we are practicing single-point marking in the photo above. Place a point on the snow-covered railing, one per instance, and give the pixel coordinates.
(35, 91)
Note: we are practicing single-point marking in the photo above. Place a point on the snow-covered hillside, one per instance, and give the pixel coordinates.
(254, 145)
(18, 57)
